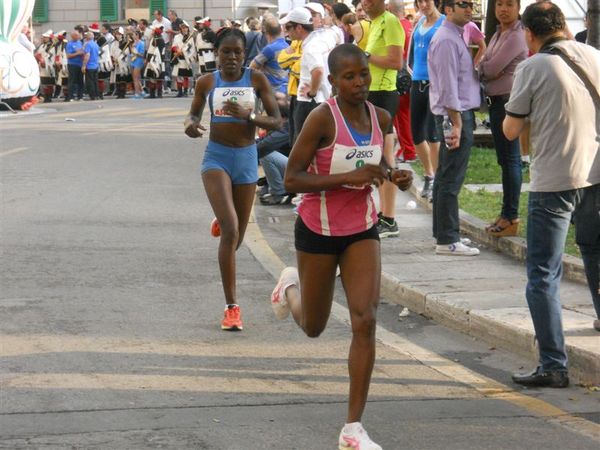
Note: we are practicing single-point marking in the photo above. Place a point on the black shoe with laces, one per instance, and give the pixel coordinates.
(270, 199)
(543, 378)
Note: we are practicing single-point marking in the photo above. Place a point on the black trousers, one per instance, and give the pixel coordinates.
(91, 83)
(75, 82)
(301, 112)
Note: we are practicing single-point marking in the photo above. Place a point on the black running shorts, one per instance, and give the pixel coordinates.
(310, 242)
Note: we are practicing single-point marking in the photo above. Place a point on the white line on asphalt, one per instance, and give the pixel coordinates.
(14, 150)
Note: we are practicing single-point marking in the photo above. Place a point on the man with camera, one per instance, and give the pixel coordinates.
(556, 93)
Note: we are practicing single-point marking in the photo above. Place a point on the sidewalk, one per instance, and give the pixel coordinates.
(482, 296)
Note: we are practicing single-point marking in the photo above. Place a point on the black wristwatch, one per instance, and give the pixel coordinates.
(310, 96)
(252, 117)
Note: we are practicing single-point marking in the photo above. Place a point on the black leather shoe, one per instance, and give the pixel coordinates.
(541, 378)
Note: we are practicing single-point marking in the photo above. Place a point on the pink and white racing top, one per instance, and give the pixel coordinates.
(349, 209)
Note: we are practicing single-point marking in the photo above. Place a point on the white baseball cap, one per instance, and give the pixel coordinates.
(297, 15)
(316, 7)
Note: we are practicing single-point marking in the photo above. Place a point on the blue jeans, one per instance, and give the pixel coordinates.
(449, 179)
(274, 165)
(272, 151)
(548, 222)
(508, 154)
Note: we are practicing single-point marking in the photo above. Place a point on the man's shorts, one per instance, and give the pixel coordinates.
(308, 241)
(240, 163)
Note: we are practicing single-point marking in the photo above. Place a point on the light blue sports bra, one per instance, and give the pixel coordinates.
(240, 91)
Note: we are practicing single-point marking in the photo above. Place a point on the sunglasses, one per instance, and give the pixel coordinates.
(464, 5)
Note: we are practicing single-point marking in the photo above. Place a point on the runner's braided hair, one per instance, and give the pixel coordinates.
(225, 33)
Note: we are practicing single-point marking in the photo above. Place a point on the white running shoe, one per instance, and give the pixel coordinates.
(279, 303)
(456, 249)
(354, 437)
(463, 241)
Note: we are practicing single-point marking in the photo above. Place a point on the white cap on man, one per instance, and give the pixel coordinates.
(299, 15)
(316, 8)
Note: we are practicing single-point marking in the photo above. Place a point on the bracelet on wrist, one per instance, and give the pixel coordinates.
(388, 173)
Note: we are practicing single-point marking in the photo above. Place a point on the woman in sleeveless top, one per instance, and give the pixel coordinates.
(335, 161)
(427, 142)
(230, 165)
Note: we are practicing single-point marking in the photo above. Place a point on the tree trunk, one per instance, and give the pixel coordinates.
(593, 23)
(490, 20)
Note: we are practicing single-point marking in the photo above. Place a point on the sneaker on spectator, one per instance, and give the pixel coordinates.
(262, 190)
(463, 241)
(354, 437)
(270, 199)
(427, 190)
(288, 198)
(387, 229)
(456, 249)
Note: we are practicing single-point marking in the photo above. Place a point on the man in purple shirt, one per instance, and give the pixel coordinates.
(454, 93)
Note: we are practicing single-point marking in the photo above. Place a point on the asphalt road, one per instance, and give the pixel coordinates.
(110, 304)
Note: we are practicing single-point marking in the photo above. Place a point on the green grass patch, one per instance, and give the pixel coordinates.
(483, 169)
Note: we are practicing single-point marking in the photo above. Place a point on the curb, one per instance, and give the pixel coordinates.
(515, 247)
(583, 364)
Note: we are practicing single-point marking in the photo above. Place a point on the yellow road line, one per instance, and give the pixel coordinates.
(489, 388)
(14, 150)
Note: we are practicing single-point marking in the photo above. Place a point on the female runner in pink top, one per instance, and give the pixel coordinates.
(335, 160)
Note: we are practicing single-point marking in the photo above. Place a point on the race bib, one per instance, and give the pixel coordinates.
(243, 95)
(348, 158)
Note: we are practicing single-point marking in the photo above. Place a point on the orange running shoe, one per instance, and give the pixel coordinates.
(232, 319)
(215, 229)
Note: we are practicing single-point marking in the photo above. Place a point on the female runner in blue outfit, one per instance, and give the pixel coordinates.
(230, 165)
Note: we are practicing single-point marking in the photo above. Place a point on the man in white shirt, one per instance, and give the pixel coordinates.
(160, 20)
(313, 88)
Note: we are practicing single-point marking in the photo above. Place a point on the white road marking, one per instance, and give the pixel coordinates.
(14, 150)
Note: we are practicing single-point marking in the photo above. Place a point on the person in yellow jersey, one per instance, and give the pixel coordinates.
(384, 52)
(360, 29)
(289, 59)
